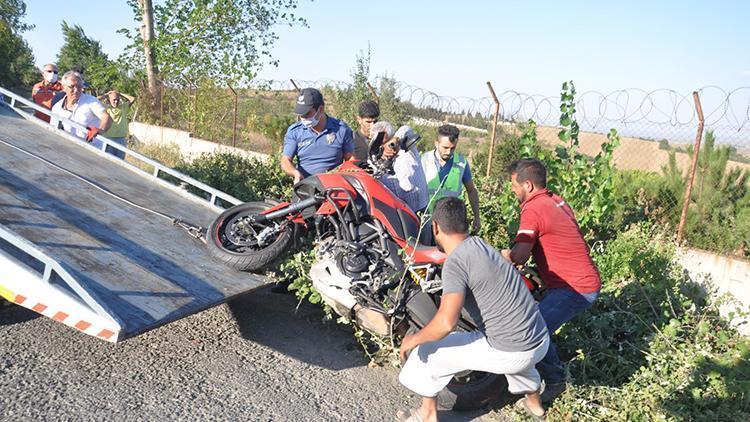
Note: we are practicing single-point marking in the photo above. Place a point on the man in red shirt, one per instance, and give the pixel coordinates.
(550, 233)
(43, 92)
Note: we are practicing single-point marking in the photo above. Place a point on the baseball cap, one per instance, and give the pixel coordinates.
(308, 99)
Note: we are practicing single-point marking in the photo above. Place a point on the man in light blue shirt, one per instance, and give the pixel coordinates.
(319, 142)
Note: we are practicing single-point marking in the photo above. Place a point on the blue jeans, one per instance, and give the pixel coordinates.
(557, 307)
(116, 152)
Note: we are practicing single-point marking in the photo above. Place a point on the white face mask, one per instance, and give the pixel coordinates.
(312, 121)
(50, 77)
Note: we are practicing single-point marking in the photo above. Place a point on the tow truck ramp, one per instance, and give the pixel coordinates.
(89, 240)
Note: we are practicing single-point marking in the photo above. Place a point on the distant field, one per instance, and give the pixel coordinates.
(632, 154)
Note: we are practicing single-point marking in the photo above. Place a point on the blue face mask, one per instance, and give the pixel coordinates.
(312, 121)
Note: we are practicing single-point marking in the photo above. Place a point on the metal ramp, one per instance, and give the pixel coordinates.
(72, 251)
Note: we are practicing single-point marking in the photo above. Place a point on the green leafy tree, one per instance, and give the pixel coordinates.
(220, 40)
(16, 59)
(12, 13)
(392, 108)
(344, 102)
(586, 184)
(83, 53)
(79, 52)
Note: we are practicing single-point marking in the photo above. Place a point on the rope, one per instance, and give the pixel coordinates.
(192, 230)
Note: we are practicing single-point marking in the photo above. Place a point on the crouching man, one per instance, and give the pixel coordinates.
(510, 337)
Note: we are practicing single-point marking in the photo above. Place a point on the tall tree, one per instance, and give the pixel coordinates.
(83, 53)
(219, 40)
(146, 10)
(16, 59)
(79, 52)
(12, 13)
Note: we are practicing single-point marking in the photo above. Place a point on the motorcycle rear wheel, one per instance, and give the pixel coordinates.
(471, 390)
(245, 257)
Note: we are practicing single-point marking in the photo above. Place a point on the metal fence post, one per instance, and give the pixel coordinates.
(234, 117)
(693, 165)
(494, 128)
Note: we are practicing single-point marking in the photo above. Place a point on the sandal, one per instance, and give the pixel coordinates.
(411, 415)
(523, 405)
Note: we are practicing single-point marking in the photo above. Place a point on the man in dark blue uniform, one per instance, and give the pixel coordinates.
(319, 142)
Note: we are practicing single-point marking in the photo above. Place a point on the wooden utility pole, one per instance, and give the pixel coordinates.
(147, 34)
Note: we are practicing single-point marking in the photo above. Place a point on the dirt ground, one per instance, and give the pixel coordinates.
(258, 358)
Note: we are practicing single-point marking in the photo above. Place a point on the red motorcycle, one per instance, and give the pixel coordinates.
(370, 264)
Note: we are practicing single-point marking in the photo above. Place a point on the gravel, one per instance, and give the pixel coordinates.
(260, 358)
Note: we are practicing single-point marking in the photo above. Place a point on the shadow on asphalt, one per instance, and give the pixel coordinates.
(298, 330)
(14, 314)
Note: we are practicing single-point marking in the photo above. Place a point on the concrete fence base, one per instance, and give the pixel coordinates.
(723, 274)
(189, 147)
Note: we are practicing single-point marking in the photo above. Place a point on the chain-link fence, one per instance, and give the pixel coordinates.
(657, 132)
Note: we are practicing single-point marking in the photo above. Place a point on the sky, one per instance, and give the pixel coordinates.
(454, 48)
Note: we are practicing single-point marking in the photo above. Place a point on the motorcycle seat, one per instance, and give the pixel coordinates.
(424, 254)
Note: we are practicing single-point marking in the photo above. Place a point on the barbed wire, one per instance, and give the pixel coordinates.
(725, 109)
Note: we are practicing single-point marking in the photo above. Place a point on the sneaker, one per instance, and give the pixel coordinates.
(551, 391)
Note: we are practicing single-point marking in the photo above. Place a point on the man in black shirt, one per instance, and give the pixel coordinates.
(367, 115)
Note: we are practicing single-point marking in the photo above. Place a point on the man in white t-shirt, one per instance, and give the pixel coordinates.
(407, 181)
(81, 108)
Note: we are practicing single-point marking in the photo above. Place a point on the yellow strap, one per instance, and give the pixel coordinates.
(7, 294)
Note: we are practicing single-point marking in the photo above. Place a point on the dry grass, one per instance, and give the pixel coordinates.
(169, 155)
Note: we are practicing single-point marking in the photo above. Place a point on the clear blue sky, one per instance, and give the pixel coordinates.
(452, 48)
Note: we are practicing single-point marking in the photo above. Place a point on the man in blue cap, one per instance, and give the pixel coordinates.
(319, 142)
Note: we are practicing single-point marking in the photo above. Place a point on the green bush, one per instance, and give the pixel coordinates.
(653, 346)
(644, 196)
(272, 126)
(248, 179)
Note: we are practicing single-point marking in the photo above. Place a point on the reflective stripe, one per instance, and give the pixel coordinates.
(7, 294)
(452, 185)
(526, 232)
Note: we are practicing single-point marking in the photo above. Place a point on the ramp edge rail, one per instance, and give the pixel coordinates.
(50, 266)
(214, 193)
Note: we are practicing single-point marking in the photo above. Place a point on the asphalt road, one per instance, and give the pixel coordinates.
(258, 358)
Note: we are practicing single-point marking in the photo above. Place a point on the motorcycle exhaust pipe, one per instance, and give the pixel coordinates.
(291, 209)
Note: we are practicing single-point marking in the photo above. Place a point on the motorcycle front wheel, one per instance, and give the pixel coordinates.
(236, 240)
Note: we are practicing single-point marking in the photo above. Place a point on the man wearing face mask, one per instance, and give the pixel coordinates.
(43, 92)
(319, 141)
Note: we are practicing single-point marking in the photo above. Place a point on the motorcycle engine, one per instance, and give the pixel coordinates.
(353, 263)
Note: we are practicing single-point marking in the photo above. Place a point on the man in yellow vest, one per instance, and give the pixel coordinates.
(448, 172)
